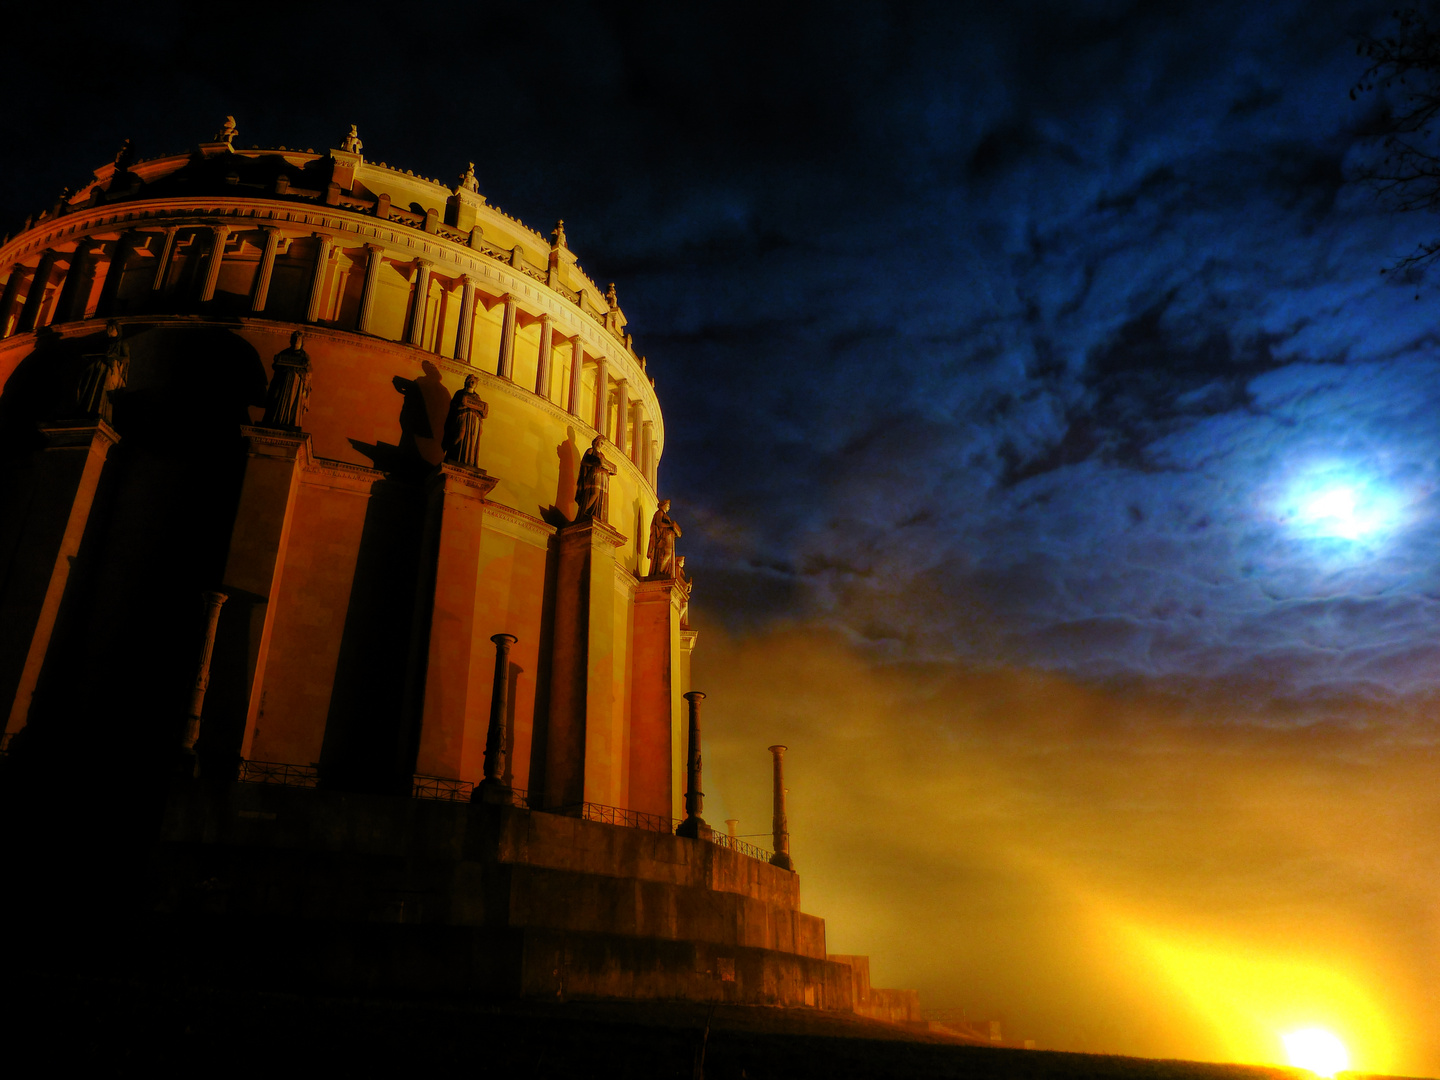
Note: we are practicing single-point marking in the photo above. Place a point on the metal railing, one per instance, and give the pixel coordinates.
(275, 772)
(744, 847)
(442, 788)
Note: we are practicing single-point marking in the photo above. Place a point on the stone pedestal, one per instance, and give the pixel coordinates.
(452, 670)
(582, 742)
(655, 704)
(66, 477)
(274, 459)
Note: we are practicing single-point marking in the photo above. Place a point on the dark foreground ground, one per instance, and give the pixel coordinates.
(133, 1027)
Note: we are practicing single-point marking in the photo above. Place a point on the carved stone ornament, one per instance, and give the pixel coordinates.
(611, 298)
(289, 393)
(463, 425)
(227, 132)
(557, 238)
(661, 550)
(351, 143)
(592, 490)
(104, 374)
(468, 181)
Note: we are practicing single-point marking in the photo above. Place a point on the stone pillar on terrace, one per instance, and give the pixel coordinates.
(189, 763)
(42, 550)
(622, 416)
(261, 292)
(694, 825)
(493, 788)
(374, 258)
(162, 260)
(420, 301)
(219, 235)
(602, 396)
(505, 366)
(317, 282)
(656, 682)
(577, 376)
(467, 319)
(33, 300)
(448, 666)
(542, 363)
(7, 298)
(781, 824)
(585, 739)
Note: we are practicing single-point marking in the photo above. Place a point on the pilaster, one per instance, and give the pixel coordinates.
(258, 542)
(579, 749)
(452, 671)
(67, 476)
(656, 712)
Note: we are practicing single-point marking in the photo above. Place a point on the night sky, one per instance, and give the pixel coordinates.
(1058, 470)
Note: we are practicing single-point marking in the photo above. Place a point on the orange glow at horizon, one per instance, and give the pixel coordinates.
(1098, 872)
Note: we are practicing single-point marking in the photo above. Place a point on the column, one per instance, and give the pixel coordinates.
(448, 663)
(655, 464)
(577, 376)
(67, 301)
(542, 364)
(467, 319)
(506, 365)
(583, 741)
(317, 283)
(647, 443)
(162, 261)
(189, 765)
(420, 301)
(259, 539)
(622, 416)
(114, 273)
(493, 788)
(781, 824)
(657, 714)
(66, 478)
(602, 396)
(693, 825)
(7, 299)
(267, 269)
(221, 233)
(31, 311)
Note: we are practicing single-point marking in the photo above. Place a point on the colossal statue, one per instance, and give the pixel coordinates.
(463, 424)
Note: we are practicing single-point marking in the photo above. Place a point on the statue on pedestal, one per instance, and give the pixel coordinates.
(463, 424)
(351, 143)
(289, 387)
(593, 491)
(468, 181)
(661, 550)
(105, 373)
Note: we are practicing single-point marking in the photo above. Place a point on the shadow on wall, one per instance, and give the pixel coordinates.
(424, 405)
(563, 511)
(123, 654)
(364, 746)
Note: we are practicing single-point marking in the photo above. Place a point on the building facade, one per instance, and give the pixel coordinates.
(336, 596)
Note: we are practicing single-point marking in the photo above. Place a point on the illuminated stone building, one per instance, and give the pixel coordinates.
(375, 609)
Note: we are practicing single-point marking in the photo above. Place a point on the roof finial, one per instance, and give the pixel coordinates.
(468, 181)
(351, 143)
(611, 298)
(227, 132)
(124, 156)
(557, 238)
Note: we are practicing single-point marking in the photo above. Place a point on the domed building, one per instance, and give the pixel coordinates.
(335, 575)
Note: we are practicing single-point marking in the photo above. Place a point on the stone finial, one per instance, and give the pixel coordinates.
(124, 156)
(468, 181)
(557, 238)
(610, 297)
(227, 132)
(351, 143)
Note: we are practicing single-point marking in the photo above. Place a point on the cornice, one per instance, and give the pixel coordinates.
(517, 524)
(453, 258)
